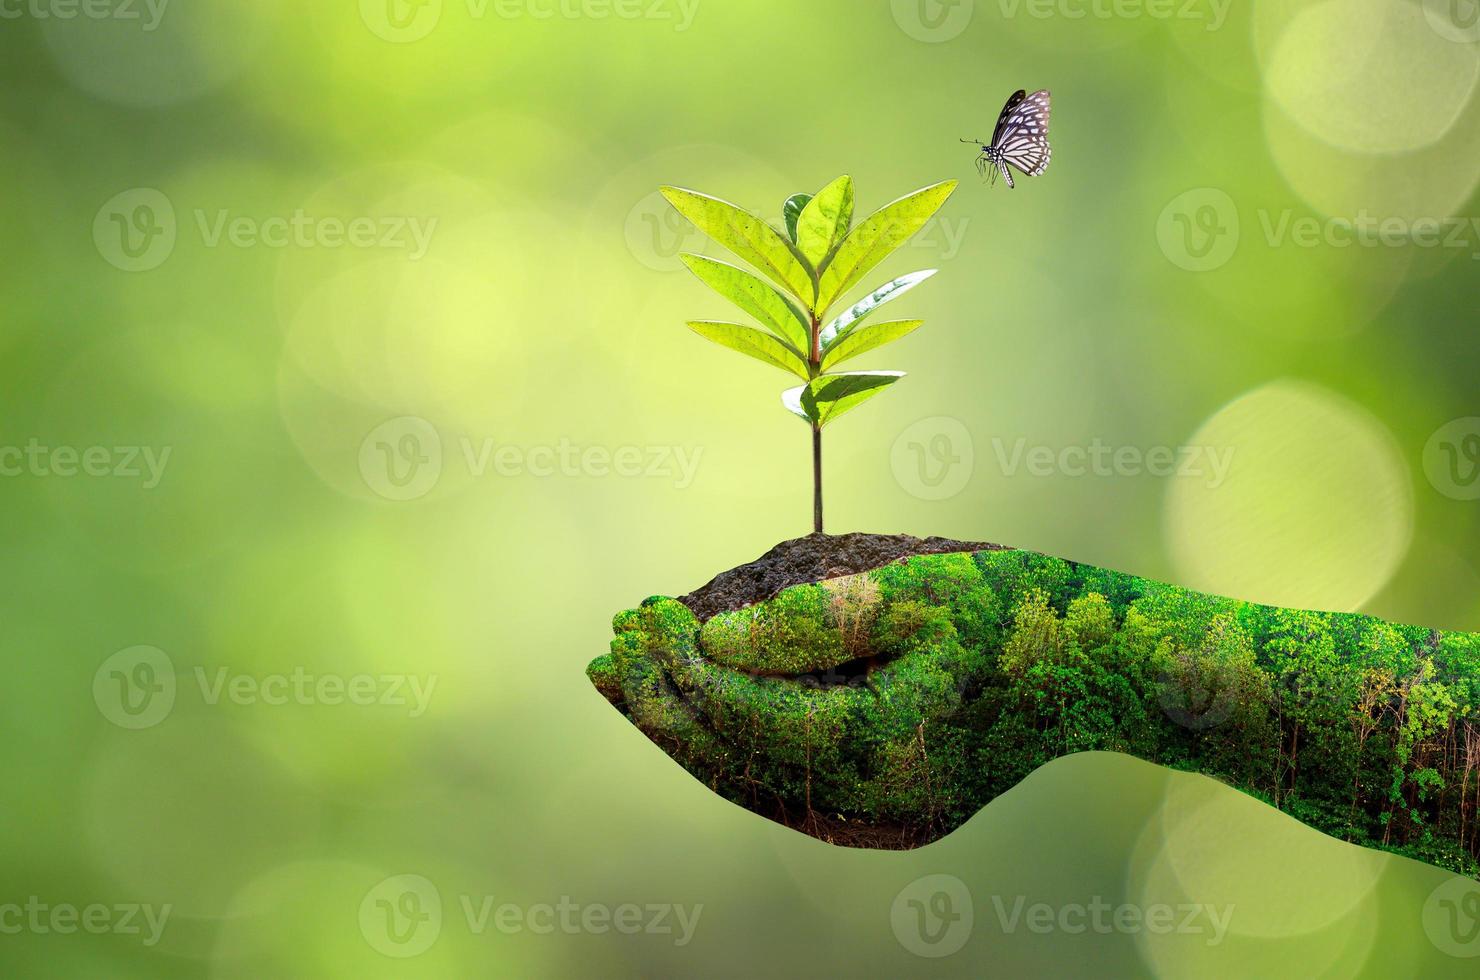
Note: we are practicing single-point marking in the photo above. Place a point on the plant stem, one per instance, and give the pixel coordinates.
(814, 362)
(816, 478)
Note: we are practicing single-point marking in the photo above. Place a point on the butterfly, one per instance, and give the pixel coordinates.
(1020, 139)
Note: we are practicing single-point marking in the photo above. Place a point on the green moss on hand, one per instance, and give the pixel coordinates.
(904, 699)
(791, 634)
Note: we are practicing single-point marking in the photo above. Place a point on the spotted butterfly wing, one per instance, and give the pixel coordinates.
(1021, 136)
(1013, 101)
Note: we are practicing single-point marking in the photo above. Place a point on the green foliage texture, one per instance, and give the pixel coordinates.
(887, 708)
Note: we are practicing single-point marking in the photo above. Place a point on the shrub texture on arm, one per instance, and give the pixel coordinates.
(884, 709)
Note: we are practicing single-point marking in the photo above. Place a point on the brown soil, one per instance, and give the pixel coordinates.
(813, 559)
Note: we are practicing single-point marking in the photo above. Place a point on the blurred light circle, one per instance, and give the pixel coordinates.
(1422, 184)
(1316, 511)
(1281, 877)
(1281, 891)
(310, 918)
(179, 478)
(1454, 20)
(161, 805)
(385, 340)
(1351, 72)
(417, 206)
(154, 52)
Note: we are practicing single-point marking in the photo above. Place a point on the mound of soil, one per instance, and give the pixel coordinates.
(813, 559)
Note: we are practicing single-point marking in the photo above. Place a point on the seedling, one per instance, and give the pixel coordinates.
(819, 259)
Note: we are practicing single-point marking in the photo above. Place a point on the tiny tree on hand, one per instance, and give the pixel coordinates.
(819, 259)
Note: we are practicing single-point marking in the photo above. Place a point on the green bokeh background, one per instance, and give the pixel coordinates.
(1099, 302)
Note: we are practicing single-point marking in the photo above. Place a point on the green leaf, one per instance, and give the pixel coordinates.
(748, 237)
(825, 221)
(792, 210)
(791, 400)
(832, 395)
(756, 297)
(866, 339)
(756, 343)
(866, 306)
(872, 241)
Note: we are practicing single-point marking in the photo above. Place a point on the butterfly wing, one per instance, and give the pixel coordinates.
(1013, 102)
(1022, 138)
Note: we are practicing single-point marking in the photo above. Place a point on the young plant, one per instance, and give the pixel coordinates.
(819, 259)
